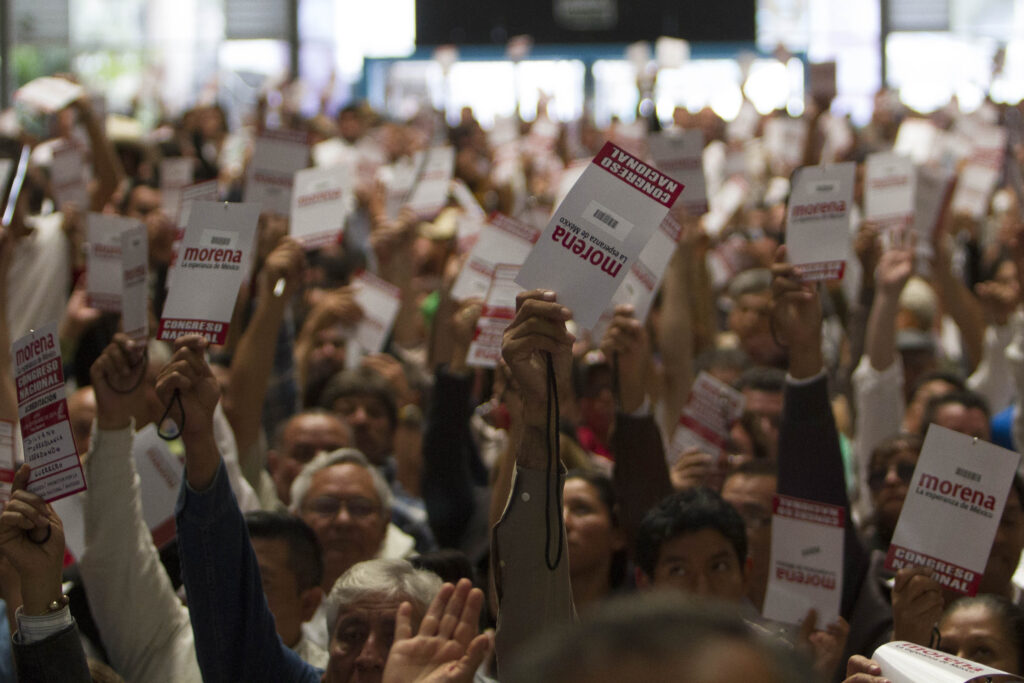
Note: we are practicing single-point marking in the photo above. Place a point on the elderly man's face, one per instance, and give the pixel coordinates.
(345, 512)
(361, 640)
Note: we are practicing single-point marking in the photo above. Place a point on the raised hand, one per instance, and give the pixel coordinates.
(32, 539)
(625, 340)
(118, 378)
(796, 318)
(860, 669)
(917, 605)
(448, 647)
(537, 330)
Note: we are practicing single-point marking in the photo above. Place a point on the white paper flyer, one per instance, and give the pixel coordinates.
(889, 190)
(277, 156)
(214, 259)
(159, 481)
(321, 202)
(903, 662)
(69, 175)
(176, 174)
(598, 231)
(380, 301)
(498, 312)
(806, 570)
(103, 259)
(46, 436)
(681, 155)
(501, 240)
(707, 417)
(7, 464)
(818, 220)
(135, 283)
(953, 507)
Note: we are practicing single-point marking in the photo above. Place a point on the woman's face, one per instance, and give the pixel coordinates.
(590, 532)
(974, 632)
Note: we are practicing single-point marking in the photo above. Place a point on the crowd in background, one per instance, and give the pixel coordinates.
(327, 498)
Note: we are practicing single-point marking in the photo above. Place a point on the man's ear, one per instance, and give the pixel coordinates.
(642, 580)
(310, 600)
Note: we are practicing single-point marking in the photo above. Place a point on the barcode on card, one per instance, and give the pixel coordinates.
(605, 218)
(611, 223)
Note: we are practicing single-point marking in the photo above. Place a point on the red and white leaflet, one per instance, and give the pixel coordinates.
(380, 301)
(502, 240)
(498, 312)
(644, 279)
(215, 257)
(134, 283)
(68, 176)
(681, 155)
(434, 171)
(276, 157)
(103, 260)
(953, 508)
(176, 174)
(818, 220)
(725, 204)
(889, 190)
(207, 191)
(598, 232)
(979, 177)
(471, 220)
(48, 94)
(785, 139)
(707, 417)
(159, 481)
(321, 202)
(806, 569)
(7, 466)
(903, 662)
(46, 436)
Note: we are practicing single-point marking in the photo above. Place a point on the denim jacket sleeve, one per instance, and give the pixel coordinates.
(234, 629)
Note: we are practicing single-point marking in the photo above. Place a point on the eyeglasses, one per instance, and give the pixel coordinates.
(327, 506)
(904, 470)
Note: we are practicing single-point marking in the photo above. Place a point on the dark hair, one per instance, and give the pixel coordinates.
(645, 633)
(450, 565)
(965, 398)
(304, 556)
(361, 381)
(762, 378)
(730, 359)
(605, 489)
(893, 445)
(756, 468)
(281, 427)
(1009, 615)
(686, 512)
(950, 378)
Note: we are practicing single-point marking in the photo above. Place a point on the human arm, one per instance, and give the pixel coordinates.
(810, 462)
(676, 333)
(641, 475)
(993, 378)
(106, 166)
(234, 630)
(253, 360)
(530, 567)
(448, 647)
(957, 300)
(448, 487)
(120, 564)
(46, 645)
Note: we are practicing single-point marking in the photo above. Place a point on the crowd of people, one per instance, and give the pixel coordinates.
(404, 516)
